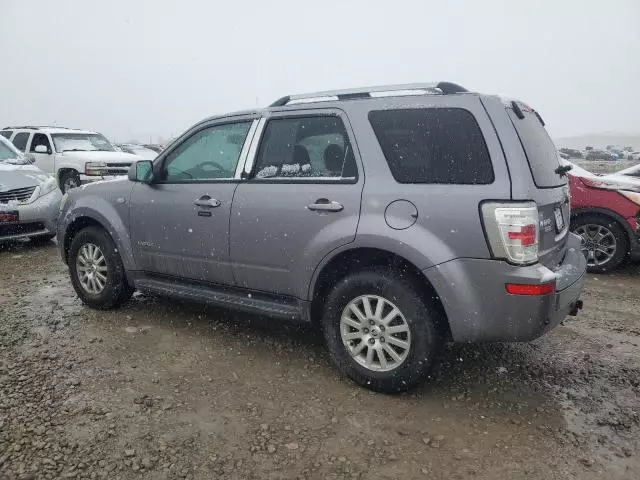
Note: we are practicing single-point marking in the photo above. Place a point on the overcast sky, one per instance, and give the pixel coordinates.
(140, 69)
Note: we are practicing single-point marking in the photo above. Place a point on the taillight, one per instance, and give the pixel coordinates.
(512, 230)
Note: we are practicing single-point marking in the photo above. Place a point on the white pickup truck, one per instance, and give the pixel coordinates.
(72, 156)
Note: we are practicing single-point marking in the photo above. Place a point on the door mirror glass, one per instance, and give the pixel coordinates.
(141, 171)
(41, 149)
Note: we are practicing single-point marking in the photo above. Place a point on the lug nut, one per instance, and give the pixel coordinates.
(371, 341)
(365, 330)
(371, 322)
(382, 339)
(382, 328)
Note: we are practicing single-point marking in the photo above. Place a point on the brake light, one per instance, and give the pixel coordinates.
(512, 231)
(534, 290)
(527, 235)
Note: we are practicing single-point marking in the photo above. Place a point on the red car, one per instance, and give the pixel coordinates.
(606, 214)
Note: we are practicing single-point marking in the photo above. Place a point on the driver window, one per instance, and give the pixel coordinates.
(40, 139)
(211, 153)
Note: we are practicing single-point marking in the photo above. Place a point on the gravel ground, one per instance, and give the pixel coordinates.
(162, 390)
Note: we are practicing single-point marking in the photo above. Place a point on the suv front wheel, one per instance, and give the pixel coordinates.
(380, 332)
(97, 273)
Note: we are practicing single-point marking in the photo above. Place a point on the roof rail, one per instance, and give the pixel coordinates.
(31, 127)
(372, 92)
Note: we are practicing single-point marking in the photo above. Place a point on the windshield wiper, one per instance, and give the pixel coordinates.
(75, 150)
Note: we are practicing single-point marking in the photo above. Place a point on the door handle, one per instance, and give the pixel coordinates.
(324, 205)
(207, 202)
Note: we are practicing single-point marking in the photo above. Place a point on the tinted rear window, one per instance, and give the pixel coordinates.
(433, 145)
(539, 148)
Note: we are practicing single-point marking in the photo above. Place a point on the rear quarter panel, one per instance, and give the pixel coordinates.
(448, 225)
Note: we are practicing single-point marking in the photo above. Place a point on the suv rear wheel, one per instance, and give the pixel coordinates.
(380, 332)
(604, 242)
(97, 273)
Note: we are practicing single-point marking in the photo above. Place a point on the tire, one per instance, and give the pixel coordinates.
(420, 318)
(586, 227)
(41, 239)
(116, 290)
(69, 180)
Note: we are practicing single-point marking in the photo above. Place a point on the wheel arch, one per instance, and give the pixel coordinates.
(357, 258)
(62, 171)
(78, 224)
(605, 212)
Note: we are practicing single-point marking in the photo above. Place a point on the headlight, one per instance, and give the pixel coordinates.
(633, 196)
(94, 168)
(48, 186)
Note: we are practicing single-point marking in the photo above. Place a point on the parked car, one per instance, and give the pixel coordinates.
(139, 150)
(72, 156)
(267, 211)
(572, 152)
(605, 213)
(629, 175)
(600, 155)
(155, 147)
(29, 199)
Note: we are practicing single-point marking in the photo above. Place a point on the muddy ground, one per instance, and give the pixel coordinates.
(162, 390)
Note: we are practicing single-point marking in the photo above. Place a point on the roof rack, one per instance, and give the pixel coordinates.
(31, 127)
(439, 88)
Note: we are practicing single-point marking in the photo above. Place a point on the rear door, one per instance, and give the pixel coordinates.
(551, 188)
(301, 200)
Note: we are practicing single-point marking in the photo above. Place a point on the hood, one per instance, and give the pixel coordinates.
(98, 156)
(623, 179)
(20, 176)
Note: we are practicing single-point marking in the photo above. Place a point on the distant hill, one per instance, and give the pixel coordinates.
(600, 140)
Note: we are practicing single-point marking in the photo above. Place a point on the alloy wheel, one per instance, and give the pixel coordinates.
(375, 333)
(91, 268)
(598, 243)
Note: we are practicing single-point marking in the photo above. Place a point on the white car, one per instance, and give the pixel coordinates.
(29, 198)
(72, 156)
(139, 150)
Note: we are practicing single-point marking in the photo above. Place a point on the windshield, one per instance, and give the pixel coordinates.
(65, 142)
(8, 153)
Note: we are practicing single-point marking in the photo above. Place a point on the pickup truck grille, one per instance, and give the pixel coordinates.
(117, 168)
(18, 194)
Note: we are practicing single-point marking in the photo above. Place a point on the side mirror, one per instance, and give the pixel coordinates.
(141, 171)
(42, 149)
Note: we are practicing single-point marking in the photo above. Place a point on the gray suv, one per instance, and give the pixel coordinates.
(398, 218)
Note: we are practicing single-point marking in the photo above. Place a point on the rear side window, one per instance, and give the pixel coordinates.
(6, 133)
(538, 147)
(433, 145)
(312, 148)
(20, 141)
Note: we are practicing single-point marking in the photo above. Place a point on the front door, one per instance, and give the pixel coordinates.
(301, 201)
(180, 222)
(44, 161)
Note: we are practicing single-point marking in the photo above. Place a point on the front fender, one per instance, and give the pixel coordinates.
(113, 218)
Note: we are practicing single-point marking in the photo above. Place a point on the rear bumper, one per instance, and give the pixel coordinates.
(36, 218)
(479, 309)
